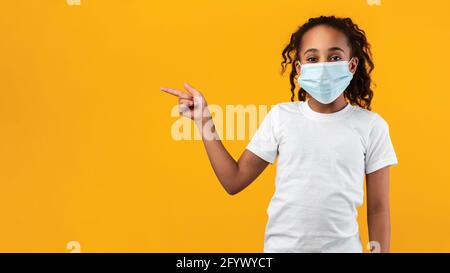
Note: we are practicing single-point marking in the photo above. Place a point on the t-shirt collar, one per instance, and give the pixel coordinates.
(309, 112)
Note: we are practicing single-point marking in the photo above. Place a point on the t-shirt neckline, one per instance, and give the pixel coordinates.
(310, 113)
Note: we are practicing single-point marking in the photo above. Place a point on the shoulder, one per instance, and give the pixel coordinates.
(286, 107)
(281, 113)
(284, 110)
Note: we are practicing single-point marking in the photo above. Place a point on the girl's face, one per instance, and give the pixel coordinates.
(325, 44)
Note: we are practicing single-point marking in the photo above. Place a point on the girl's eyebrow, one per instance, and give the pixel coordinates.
(310, 50)
(336, 49)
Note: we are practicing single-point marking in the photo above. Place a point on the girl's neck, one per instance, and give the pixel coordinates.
(336, 105)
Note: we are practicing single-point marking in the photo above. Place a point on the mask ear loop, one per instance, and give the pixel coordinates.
(300, 68)
(299, 64)
(351, 59)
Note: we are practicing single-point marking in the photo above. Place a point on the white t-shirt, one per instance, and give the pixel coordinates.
(322, 161)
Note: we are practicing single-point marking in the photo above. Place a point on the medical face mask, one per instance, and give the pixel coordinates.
(325, 81)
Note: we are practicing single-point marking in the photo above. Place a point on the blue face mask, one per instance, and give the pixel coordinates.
(325, 81)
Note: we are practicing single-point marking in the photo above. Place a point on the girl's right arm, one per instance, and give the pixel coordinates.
(233, 175)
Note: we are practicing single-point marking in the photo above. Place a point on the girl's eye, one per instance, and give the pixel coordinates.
(335, 58)
(311, 59)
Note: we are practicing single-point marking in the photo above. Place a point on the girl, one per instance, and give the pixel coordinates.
(325, 143)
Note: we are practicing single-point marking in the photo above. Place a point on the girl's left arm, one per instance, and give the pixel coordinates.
(378, 212)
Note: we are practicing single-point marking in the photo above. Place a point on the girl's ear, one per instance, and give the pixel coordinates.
(354, 65)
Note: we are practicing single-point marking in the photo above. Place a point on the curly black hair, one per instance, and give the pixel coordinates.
(359, 91)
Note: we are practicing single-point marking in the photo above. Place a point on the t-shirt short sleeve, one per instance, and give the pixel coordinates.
(264, 142)
(380, 151)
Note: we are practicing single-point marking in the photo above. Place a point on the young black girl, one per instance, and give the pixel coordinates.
(325, 144)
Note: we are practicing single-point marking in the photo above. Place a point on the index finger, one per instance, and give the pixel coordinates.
(177, 93)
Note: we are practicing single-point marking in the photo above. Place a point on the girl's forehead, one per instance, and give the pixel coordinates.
(323, 38)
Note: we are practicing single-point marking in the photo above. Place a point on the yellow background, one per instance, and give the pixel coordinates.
(85, 147)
